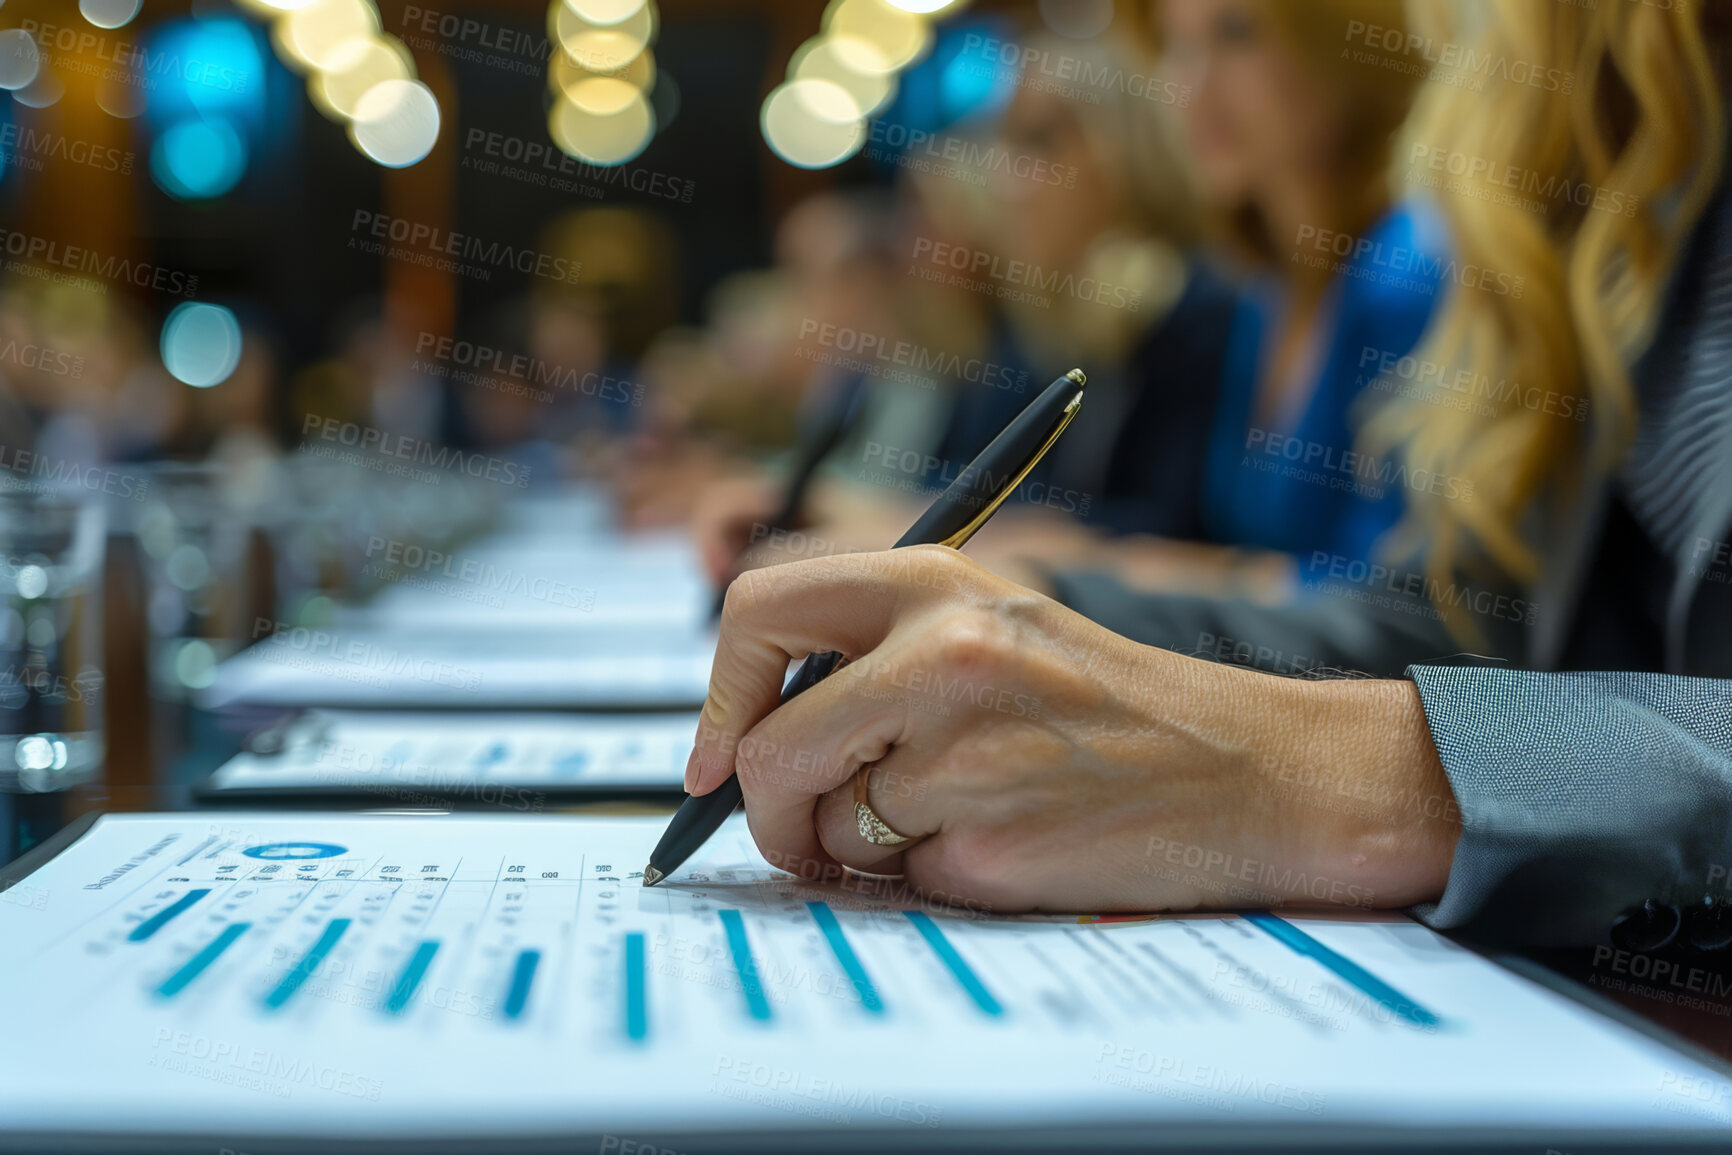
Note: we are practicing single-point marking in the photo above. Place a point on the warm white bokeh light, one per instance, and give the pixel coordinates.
(813, 123)
(396, 122)
(926, 7)
(356, 66)
(850, 63)
(900, 37)
(604, 121)
(309, 37)
(563, 72)
(604, 11)
(601, 47)
(109, 13)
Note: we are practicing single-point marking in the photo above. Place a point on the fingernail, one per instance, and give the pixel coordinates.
(691, 770)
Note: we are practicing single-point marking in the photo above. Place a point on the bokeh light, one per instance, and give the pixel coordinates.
(396, 122)
(41, 92)
(312, 36)
(232, 77)
(604, 121)
(847, 73)
(601, 47)
(356, 74)
(563, 72)
(196, 159)
(120, 98)
(900, 37)
(850, 63)
(20, 60)
(812, 123)
(109, 13)
(608, 98)
(605, 11)
(356, 67)
(201, 344)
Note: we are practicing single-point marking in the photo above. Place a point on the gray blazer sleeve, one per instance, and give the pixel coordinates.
(1581, 794)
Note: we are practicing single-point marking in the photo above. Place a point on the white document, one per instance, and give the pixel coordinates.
(399, 977)
(401, 754)
(570, 581)
(478, 668)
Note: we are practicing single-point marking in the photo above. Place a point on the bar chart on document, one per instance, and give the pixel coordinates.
(404, 971)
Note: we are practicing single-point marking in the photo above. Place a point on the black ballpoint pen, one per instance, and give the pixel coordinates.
(951, 520)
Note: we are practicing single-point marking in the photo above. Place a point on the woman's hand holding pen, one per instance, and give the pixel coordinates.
(1038, 761)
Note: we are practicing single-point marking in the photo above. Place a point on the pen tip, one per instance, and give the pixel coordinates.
(1079, 377)
(651, 876)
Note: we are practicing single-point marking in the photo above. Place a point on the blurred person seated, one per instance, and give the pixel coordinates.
(373, 377)
(772, 368)
(718, 401)
(1114, 230)
(1092, 199)
(1292, 146)
(566, 408)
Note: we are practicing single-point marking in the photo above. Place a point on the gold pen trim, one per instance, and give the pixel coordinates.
(960, 538)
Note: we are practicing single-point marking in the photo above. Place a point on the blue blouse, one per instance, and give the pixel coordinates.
(1296, 482)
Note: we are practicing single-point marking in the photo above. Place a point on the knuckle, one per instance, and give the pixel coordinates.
(971, 641)
(744, 597)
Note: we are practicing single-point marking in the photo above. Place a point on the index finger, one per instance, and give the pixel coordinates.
(773, 616)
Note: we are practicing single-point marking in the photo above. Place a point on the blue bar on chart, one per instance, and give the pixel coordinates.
(735, 926)
(162, 917)
(195, 965)
(410, 980)
(832, 928)
(636, 996)
(1343, 967)
(522, 975)
(291, 982)
(958, 965)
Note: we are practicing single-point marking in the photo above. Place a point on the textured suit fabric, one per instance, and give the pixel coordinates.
(1581, 794)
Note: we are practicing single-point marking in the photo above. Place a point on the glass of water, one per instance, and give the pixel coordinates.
(51, 681)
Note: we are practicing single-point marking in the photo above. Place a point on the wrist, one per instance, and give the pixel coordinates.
(1358, 786)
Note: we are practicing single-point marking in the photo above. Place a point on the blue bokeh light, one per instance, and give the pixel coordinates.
(197, 159)
(972, 84)
(204, 66)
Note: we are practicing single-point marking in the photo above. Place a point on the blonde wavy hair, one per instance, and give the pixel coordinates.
(1628, 107)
